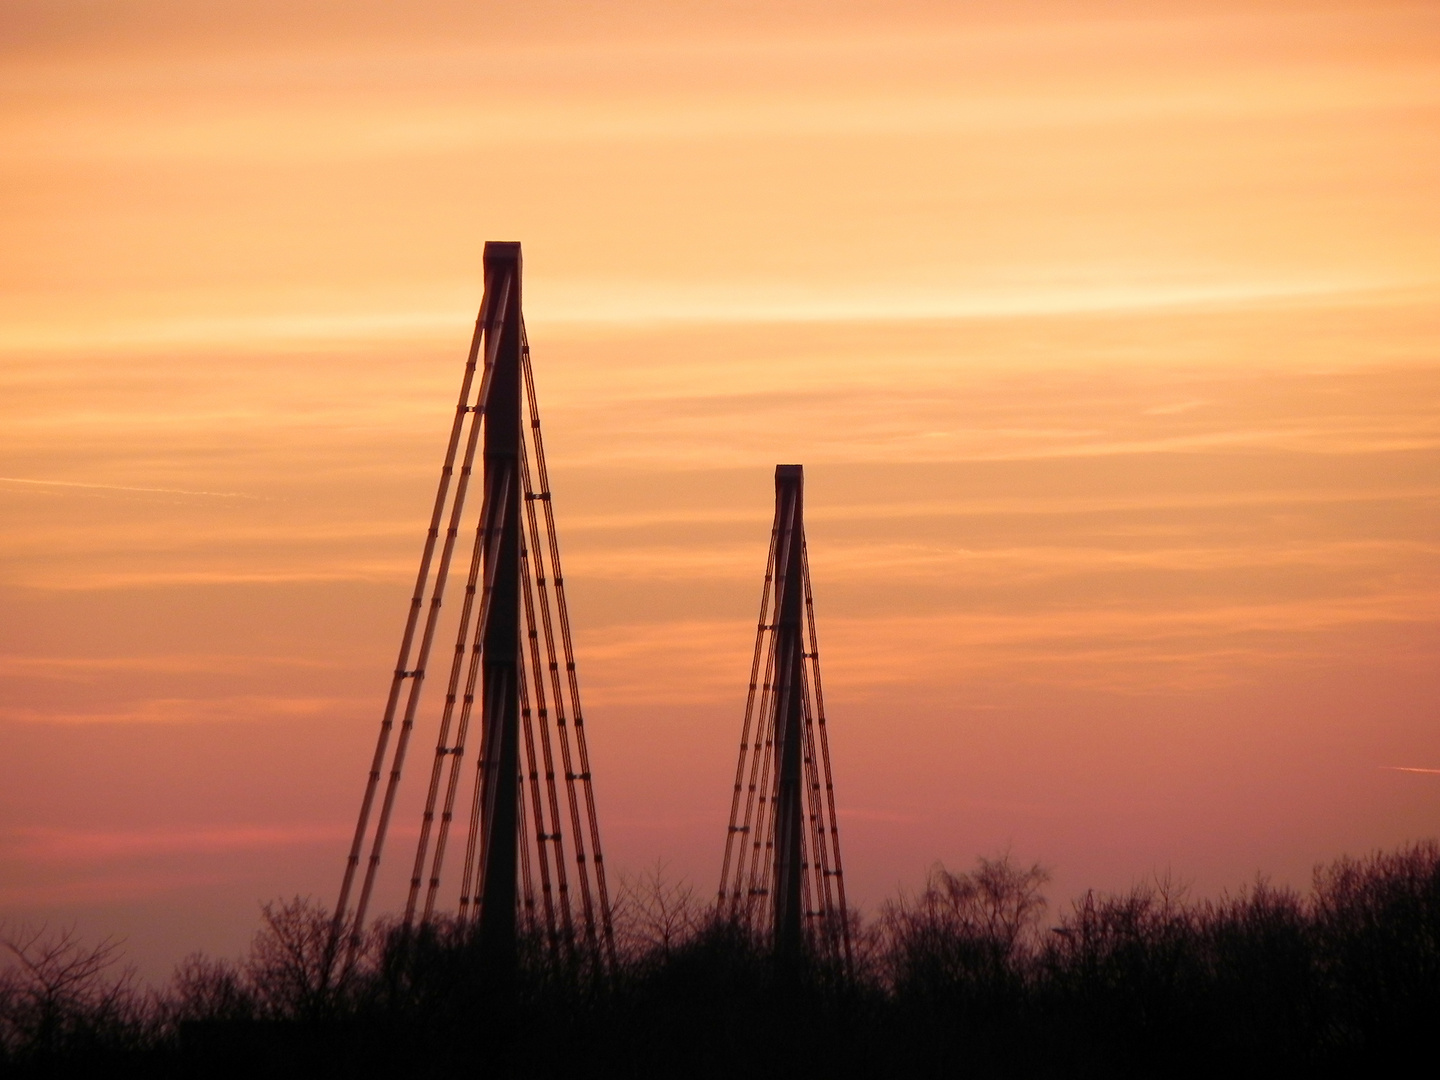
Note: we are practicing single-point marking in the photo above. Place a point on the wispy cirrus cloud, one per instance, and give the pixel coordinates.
(1163, 649)
(251, 708)
(87, 667)
(122, 487)
(60, 845)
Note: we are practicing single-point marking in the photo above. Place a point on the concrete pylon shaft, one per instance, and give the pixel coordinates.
(500, 701)
(789, 704)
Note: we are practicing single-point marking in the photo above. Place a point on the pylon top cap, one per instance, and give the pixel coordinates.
(789, 472)
(502, 251)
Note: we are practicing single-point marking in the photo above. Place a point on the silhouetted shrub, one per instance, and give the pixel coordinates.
(63, 1007)
(1376, 923)
(963, 977)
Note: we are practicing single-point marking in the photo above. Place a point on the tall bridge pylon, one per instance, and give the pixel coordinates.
(531, 856)
(782, 866)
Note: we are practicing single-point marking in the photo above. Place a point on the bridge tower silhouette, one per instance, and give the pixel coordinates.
(782, 868)
(513, 653)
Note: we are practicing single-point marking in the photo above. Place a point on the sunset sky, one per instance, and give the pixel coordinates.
(1108, 335)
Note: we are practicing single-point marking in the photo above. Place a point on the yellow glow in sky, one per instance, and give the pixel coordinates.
(1106, 332)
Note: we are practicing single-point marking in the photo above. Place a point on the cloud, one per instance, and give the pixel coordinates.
(108, 888)
(120, 487)
(1129, 650)
(49, 844)
(85, 668)
(256, 708)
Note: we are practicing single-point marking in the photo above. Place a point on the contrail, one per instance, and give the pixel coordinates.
(1408, 768)
(119, 487)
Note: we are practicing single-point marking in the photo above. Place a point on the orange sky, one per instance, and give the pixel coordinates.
(1107, 334)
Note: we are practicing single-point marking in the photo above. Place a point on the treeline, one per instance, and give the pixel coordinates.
(967, 977)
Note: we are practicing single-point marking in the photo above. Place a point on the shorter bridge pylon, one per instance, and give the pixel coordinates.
(782, 870)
